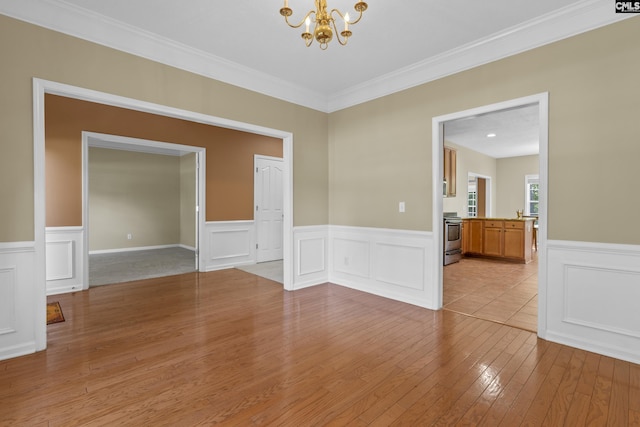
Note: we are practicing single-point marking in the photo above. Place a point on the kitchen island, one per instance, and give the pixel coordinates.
(510, 239)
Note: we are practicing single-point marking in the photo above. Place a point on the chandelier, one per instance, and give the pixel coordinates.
(323, 21)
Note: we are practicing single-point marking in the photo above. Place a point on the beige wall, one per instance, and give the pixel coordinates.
(28, 51)
(510, 186)
(469, 161)
(188, 200)
(380, 151)
(137, 193)
(229, 155)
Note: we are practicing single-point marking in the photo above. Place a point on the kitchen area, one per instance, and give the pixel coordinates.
(508, 239)
(490, 193)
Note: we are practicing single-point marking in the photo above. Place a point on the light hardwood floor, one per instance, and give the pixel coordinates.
(495, 290)
(231, 348)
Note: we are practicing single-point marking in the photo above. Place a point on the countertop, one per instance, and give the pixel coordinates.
(504, 219)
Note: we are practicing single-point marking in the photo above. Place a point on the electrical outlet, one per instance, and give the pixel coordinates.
(346, 260)
(129, 236)
(401, 207)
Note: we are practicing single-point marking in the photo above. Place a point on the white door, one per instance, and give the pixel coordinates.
(268, 207)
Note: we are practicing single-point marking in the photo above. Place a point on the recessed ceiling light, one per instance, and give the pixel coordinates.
(491, 135)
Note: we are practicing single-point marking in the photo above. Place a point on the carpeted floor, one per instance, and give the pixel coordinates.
(271, 270)
(136, 265)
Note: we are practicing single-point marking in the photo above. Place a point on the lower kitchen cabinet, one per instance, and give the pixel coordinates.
(493, 238)
(499, 238)
(472, 236)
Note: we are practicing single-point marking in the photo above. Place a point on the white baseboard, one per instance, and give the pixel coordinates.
(134, 249)
(189, 248)
(18, 350)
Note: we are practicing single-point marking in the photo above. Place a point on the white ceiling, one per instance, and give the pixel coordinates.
(397, 45)
(516, 132)
(390, 36)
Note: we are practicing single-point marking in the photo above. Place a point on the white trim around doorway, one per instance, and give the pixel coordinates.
(93, 139)
(437, 143)
(42, 87)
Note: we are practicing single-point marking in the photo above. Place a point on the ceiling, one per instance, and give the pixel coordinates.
(397, 45)
(515, 132)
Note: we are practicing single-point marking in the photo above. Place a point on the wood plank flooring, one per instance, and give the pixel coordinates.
(230, 348)
(495, 290)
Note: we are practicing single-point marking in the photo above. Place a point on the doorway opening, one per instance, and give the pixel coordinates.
(148, 159)
(42, 87)
(478, 196)
(539, 103)
(267, 200)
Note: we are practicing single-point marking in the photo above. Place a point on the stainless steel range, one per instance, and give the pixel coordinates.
(452, 237)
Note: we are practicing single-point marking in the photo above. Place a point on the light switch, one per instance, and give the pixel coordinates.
(401, 207)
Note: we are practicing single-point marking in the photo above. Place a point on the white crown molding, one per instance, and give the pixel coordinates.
(62, 17)
(564, 23)
(87, 25)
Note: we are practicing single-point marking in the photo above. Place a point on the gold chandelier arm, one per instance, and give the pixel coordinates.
(345, 34)
(342, 16)
(308, 42)
(286, 18)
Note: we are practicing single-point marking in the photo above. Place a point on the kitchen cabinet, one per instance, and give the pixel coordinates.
(449, 178)
(472, 236)
(500, 238)
(514, 239)
(493, 241)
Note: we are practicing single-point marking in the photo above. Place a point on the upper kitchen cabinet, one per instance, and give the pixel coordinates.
(449, 178)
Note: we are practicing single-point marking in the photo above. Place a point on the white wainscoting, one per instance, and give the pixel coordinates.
(230, 243)
(310, 256)
(593, 297)
(18, 299)
(64, 252)
(395, 264)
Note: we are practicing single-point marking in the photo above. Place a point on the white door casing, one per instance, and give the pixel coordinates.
(33, 305)
(268, 201)
(437, 144)
(125, 143)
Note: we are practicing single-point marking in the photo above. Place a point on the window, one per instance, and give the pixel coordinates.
(473, 205)
(532, 186)
(472, 201)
